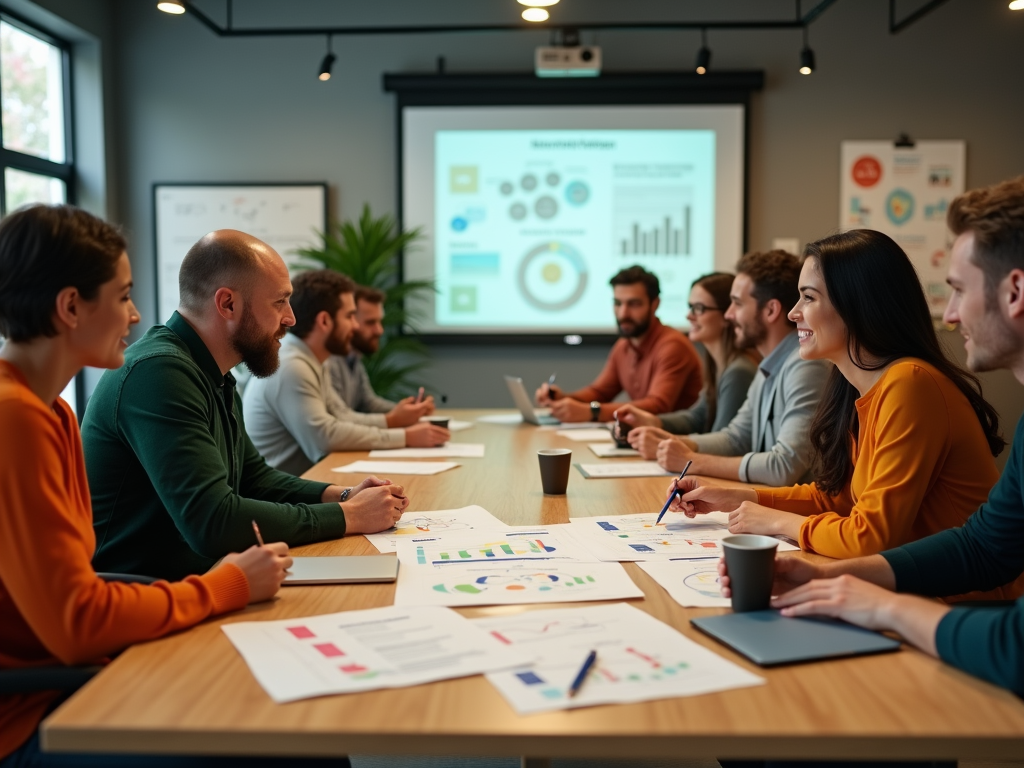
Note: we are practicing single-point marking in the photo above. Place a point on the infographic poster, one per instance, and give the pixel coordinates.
(530, 225)
(905, 193)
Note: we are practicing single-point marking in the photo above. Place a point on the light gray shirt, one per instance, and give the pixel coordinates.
(352, 383)
(771, 429)
(295, 418)
(731, 389)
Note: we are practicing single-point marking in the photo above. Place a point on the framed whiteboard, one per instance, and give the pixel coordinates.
(285, 216)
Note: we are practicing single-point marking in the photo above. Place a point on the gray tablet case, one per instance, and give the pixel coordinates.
(768, 638)
(363, 569)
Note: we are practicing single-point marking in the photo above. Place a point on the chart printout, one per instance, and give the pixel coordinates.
(428, 526)
(691, 583)
(364, 650)
(511, 545)
(638, 659)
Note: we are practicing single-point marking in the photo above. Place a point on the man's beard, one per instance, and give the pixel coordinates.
(257, 348)
(336, 344)
(751, 334)
(637, 331)
(367, 346)
(1002, 346)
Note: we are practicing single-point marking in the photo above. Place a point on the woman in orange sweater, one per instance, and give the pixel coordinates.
(65, 303)
(904, 440)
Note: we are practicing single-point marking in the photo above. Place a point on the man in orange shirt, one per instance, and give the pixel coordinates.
(657, 366)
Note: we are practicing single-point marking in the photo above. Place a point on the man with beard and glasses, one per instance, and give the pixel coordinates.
(657, 366)
(348, 372)
(176, 482)
(768, 441)
(295, 417)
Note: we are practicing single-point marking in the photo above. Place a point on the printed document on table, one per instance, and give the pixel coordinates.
(509, 545)
(691, 583)
(428, 526)
(626, 538)
(398, 467)
(446, 451)
(622, 469)
(611, 450)
(501, 418)
(638, 659)
(454, 425)
(364, 650)
(585, 435)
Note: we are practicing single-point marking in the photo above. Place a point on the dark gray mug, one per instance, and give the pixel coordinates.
(554, 470)
(750, 560)
(439, 421)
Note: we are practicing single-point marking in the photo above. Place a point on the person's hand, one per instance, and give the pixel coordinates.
(263, 567)
(408, 412)
(646, 440)
(547, 394)
(844, 597)
(376, 482)
(751, 517)
(426, 435)
(790, 573)
(673, 453)
(700, 497)
(566, 409)
(636, 417)
(374, 509)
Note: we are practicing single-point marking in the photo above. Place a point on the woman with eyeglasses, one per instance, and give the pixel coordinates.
(728, 371)
(904, 440)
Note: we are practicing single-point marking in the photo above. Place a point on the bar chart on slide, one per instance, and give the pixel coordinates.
(653, 221)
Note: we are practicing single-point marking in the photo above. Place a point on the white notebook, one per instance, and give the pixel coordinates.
(358, 569)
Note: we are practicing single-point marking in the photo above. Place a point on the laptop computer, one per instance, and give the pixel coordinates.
(522, 400)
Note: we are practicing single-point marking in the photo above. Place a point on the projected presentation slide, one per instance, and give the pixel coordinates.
(529, 225)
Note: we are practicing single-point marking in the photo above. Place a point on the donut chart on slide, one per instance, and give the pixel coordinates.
(552, 276)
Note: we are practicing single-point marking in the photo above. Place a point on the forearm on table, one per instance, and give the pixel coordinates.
(874, 569)
(726, 467)
(915, 619)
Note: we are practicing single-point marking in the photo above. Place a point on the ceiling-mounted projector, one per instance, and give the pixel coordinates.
(568, 61)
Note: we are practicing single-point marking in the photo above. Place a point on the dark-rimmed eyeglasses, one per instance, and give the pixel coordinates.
(700, 309)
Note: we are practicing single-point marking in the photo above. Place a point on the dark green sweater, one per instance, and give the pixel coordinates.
(987, 552)
(175, 480)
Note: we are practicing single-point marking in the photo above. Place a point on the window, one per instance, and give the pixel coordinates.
(35, 127)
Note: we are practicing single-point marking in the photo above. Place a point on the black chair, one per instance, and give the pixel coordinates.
(59, 678)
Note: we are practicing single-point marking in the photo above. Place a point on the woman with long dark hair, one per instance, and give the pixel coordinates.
(728, 371)
(904, 440)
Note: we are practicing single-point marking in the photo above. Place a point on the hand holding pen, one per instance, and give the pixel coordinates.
(675, 492)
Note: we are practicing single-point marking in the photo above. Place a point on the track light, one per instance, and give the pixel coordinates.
(704, 54)
(171, 6)
(1015, 5)
(325, 65)
(806, 57)
(536, 14)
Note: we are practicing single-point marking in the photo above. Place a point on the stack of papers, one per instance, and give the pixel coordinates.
(638, 659)
(419, 527)
(397, 467)
(364, 650)
(448, 450)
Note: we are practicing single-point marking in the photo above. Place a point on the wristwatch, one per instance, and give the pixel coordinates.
(344, 494)
(595, 410)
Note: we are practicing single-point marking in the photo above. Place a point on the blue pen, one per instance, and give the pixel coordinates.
(584, 670)
(674, 493)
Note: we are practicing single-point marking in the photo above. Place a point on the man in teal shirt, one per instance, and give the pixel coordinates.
(986, 275)
(176, 483)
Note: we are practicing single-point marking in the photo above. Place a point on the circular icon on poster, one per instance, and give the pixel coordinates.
(899, 206)
(552, 276)
(459, 224)
(545, 207)
(517, 211)
(506, 188)
(528, 182)
(577, 193)
(552, 179)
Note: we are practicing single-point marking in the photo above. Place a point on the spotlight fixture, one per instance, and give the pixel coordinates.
(704, 54)
(325, 65)
(171, 6)
(806, 57)
(538, 3)
(1015, 5)
(536, 14)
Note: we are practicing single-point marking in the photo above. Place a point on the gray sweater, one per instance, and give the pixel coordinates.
(352, 383)
(733, 384)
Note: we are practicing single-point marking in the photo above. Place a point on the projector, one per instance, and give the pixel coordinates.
(568, 61)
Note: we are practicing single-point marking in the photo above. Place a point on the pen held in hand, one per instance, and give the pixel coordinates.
(582, 674)
(256, 530)
(551, 379)
(672, 495)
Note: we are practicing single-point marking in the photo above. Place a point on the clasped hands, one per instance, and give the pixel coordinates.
(562, 408)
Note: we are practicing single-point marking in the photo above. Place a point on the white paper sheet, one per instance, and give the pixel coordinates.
(631, 538)
(398, 467)
(427, 526)
(454, 425)
(622, 469)
(638, 659)
(514, 544)
(610, 451)
(586, 435)
(501, 418)
(691, 583)
(365, 650)
(448, 451)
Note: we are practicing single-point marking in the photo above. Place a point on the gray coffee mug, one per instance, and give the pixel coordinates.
(554, 470)
(750, 560)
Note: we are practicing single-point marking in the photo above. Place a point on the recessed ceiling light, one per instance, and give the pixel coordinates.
(536, 14)
(171, 6)
(538, 3)
(1015, 5)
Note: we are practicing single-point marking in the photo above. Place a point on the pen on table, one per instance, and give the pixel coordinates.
(582, 675)
(256, 530)
(673, 494)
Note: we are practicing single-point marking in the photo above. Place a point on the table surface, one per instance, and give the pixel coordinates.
(192, 693)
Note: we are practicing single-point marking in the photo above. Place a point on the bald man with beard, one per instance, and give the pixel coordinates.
(176, 482)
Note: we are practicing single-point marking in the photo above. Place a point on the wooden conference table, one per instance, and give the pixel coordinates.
(192, 693)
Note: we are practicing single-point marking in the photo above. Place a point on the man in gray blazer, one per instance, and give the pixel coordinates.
(767, 442)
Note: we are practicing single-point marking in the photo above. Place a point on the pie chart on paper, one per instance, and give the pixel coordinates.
(552, 276)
